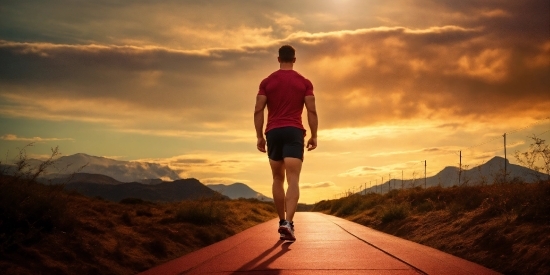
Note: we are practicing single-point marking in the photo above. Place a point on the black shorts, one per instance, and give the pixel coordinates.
(285, 142)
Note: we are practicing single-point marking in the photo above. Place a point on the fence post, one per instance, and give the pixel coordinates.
(460, 168)
(505, 160)
(425, 164)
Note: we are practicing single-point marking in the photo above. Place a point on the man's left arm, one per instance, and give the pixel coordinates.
(261, 102)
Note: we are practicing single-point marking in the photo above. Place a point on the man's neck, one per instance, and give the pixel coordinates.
(286, 66)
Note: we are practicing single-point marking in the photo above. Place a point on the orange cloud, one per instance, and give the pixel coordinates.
(12, 137)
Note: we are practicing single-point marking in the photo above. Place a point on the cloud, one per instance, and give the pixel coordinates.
(124, 171)
(189, 161)
(360, 171)
(12, 137)
(382, 170)
(208, 165)
(410, 152)
(222, 180)
(317, 185)
(391, 79)
(361, 77)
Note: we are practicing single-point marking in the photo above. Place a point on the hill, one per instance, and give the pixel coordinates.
(238, 190)
(93, 185)
(46, 230)
(487, 173)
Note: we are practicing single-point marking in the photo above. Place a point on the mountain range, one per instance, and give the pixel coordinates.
(238, 190)
(122, 171)
(115, 180)
(488, 173)
(95, 185)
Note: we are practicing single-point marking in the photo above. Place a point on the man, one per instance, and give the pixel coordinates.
(285, 92)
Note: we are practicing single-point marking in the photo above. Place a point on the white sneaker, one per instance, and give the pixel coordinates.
(286, 229)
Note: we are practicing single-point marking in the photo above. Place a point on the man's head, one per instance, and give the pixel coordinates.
(287, 54)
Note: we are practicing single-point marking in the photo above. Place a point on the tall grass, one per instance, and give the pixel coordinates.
(202, 212)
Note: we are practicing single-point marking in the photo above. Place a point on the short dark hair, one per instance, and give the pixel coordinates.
(287, 53)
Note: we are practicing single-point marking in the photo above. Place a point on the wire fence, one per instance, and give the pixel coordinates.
(416, 173)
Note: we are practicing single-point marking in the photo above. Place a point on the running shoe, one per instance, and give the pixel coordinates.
(282, 236)
(287, 229)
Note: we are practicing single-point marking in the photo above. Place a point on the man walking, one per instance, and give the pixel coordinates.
(285, 92)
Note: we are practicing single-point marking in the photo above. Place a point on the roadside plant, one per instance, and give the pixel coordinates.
(29, 209)
(537, 157)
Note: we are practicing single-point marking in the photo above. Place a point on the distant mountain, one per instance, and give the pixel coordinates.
(123, 171)
(93, 185)
(238, 190)
(82, 178)
(487, 173)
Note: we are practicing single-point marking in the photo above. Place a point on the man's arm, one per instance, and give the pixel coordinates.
(261, 101)
(312, 120)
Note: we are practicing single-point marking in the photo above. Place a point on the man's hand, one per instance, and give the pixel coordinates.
(312, 143)
(260, 144)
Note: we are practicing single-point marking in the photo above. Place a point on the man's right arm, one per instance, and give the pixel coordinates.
(313, 122)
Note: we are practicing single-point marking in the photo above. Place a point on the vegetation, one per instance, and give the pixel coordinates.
(537, 157)
(46, 230)
(73, 234)
(503, 227)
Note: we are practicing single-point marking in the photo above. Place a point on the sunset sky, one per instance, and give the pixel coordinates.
(175, 82)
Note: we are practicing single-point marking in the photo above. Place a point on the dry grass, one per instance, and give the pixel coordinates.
(54, 232)
(503, 227)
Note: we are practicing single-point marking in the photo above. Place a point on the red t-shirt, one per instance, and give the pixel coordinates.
(285, 91)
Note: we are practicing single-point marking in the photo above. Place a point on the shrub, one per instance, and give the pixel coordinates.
(322, 206)
(126, 219)
(157, 247)
(202, 213)
(349, 206)
(394, 212)
(29, 209)
(211, 236)
(134, 201)
(425, 206)
(336, 205)
(143, 212)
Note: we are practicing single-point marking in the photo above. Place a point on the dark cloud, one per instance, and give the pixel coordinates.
(472, 60)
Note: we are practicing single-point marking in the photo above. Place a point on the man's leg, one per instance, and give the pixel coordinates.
(278, 171)
(293, 167)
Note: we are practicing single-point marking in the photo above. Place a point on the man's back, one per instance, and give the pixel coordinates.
(285, 91)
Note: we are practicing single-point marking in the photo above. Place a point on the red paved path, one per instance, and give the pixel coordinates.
(325, 245)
